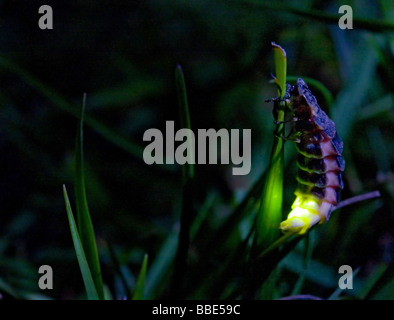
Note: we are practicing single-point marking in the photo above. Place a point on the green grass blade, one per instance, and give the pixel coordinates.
(383, 287)
(349, 101)
(263, 266)
(338, 291)
(372, 281)
(228, 269)
(280, 61)
(6, 288)
(270, 213)
(320, 16)
(82, 261)
(62, 104)
(242, 210)
(159, 268)
(187, 213)
(118, 270)
(185, 120)
(319, 273)
(377, 108)
(308, 249)
(85, 225)
(140, 285)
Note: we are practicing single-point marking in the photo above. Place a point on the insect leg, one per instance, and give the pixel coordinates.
(294, 119)
(293, 136)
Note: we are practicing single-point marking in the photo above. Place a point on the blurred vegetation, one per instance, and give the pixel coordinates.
(123, 55)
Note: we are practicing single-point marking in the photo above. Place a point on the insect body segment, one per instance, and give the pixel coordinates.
(320, 163)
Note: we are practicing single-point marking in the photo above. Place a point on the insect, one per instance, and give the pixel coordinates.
(320, 162)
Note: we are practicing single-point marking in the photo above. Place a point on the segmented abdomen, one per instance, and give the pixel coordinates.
(320, 162)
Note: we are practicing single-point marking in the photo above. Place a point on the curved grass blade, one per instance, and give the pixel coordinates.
(270, 213)
(280, 61)
(320, 16)
(62, 104)
(85, 225)
(187, 213)
(140, 285)
(83, 264)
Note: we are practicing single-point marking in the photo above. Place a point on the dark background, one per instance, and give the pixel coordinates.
(123, 55)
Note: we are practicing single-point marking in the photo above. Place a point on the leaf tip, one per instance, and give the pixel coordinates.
(276, 46)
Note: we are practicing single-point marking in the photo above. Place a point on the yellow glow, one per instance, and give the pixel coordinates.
(304, 215)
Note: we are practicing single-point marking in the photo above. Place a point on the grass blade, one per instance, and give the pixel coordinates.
(85, 225)
(187, 213)
(118, 270)
(83, 264)
(372, 281)
(349, 101)
(62, 104)
(184, 116)
(280, 60)
(338, 291)
(308, 249)
(242, 210)
(159, 269)
(320, 16)
(6, 288)
(160, 266)
(382, 289)
(140, 285)
(270, 213)
(263, 266)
